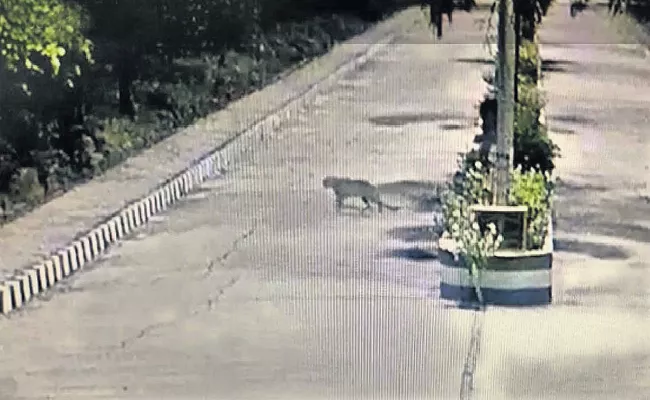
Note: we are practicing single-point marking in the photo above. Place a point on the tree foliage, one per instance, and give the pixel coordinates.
(156, 65)
(36, 34)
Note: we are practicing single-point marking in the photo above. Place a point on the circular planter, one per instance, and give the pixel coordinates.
(511, 278)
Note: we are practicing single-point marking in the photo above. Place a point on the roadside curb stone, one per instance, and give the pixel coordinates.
(66, 251)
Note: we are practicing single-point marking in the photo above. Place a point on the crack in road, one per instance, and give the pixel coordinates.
(233, 247)
(220, 292)
(143, 332)
(469, 369)
(210, 306)
(212, 300)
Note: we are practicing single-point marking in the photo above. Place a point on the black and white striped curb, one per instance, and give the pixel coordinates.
(27, 283)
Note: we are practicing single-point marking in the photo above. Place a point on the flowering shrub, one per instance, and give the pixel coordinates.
(471, 245)
(471, 185)
(535, 190)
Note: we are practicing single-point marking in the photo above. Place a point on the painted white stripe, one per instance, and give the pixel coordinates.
(5, 299)
(14, 292)
(32, 276)
(84, 250)
(43, 284)
(62, 264)
(507, 280)
(52, 274)
(25, 289)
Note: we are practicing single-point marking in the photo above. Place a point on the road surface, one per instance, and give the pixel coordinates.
(592, 343)
(255, 288)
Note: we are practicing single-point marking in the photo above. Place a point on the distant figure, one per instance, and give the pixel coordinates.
(447, 8)
(468, 5)
(576, 7)
(615, 6)
(436, 9)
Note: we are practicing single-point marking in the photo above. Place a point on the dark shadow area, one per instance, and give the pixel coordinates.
(594, 223)
(415, 233)
(547, 65)
(423, 196)
(563, 131)
(599, 251)
(593, 208)
(554, 68)
(574, 119)
(452, 127)
(481, 61)
(426, 204)
(460, 7)
(464, 305)
(405, 119)
(567, 187)
(370, 64)
(626, 230)
(578, 6)
(414, 254)
(641, 12)
(557, 63)
(401, 187)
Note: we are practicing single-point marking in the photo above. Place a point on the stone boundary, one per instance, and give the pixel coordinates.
(27, 283)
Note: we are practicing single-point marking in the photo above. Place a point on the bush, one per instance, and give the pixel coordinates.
(528, 59)
(535, 190)
(532, 146)
(471, 244)
(68, 135)
(472, 186)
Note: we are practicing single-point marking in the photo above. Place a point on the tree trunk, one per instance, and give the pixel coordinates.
(517, 45)
(126, 76)
(505, 101)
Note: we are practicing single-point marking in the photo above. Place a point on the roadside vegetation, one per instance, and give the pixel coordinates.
(89, 83)
(531, 181)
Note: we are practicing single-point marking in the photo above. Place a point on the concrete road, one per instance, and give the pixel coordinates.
(593, 342)
(255, 288)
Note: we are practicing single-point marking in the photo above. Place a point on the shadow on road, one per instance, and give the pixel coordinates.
(418, 233)
(423, 196)
(454, 126)
(413, 254)
(563, 131)
(571, 118)
(567, 188)
(483, 61)
(405, 119)
(551, 65)
(583, 209)
(595, 250)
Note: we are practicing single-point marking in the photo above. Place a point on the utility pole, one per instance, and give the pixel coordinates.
(505, 74)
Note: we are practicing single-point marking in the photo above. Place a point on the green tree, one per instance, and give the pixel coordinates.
(36, 34)
(133, 33)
